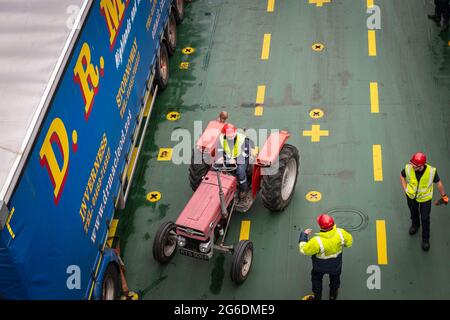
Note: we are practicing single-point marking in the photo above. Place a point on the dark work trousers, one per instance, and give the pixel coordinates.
(420, 212)
(442, 9)
(317, 277)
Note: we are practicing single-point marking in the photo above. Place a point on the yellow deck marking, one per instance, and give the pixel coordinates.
(165, 154)
(270, 5)
(382, 242)
(377, 163)
(313, 196)
(148, 106)
(173, 116)
(188, 50)
(112, 232)
(374, 98)
(154, 196)
(8, 226)
(261, 95)
(370, 3)
(315, 133)
(318, 47)
(132, 161)
(319, 3)
(372, 43)
(245, 230)
(184, 65)
(266, 46)
(316, 113)
(259, 111)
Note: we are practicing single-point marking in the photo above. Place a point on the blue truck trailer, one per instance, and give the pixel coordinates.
(78, 82)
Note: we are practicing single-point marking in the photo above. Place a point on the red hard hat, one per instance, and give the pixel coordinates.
(230, 131)
(325, 222)
(418, 159)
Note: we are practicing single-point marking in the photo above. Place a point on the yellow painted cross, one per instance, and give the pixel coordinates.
(319, 3)
(315, 133)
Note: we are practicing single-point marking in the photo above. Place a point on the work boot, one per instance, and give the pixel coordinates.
(242, 195)
(413, 230)
(333, 294)
(435, 18)
(316, 296)
(425, 245)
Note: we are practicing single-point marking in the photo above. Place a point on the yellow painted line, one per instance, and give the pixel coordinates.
(8, 226)
(112, 232)
(270, 5)
(374, 98)
(132, 161)
(377, 163)
(370, 3)
(266, 47)
(149, 104)
(382, 242)
(261, 95)
(259, 111)
(245, 230)
(372, 43)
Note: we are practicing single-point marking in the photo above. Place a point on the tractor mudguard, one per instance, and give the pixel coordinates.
(208, 140)
(269, 153)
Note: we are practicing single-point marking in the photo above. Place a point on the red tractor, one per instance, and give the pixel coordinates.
(202, 226)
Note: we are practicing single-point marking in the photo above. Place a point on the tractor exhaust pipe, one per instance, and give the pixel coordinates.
(222, 200)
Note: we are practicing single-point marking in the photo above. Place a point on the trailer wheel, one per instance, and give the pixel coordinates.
(162, 68)
(277, 190)
(165, 243)
(179, 11)
(171, 35)
(242, 261)
(111, 283)
(197, 171)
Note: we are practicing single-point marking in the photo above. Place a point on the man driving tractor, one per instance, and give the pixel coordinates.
(234, 149)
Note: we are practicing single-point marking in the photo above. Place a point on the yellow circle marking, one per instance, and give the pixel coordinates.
(154, 196)
(318, 47)
(313, 196)
(74, 137)
(173, 116)
(102, 63)
(316, 113)
(188, 50)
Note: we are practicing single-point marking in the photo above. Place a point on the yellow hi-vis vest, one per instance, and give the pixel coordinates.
(421, 190)
(240, 139)
(327, 245)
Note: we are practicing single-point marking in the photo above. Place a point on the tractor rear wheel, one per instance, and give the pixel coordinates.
(165, 243)
(242, 261)
(197, 170)
(277, 189)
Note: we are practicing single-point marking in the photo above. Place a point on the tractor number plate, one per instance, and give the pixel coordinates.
(193, 254)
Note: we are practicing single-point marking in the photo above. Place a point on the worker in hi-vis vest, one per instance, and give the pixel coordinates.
(326, 251)
(417, 180)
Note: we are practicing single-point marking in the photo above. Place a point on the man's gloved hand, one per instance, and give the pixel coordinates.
(304, 235)
(442, 200)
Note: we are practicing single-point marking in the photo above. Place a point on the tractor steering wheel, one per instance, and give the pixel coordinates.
(224, 167)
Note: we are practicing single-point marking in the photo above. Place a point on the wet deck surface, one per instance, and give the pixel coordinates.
(412, 70)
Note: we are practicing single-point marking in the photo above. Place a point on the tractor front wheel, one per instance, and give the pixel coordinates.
(165, 243)
(277, 189)
(242, 261)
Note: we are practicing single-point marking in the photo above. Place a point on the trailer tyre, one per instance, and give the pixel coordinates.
(242, 261)
(171, 35)
(162, 68)
(179, 11)
(277, 190)
(165, 243)
(197, 171)
(111, 283)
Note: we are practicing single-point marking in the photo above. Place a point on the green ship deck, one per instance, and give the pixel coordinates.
(384, 95)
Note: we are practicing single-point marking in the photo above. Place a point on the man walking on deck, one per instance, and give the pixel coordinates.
(417, 180)
(326, 251)
(442, 10)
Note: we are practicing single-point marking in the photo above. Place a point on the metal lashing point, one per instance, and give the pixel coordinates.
(318, 47)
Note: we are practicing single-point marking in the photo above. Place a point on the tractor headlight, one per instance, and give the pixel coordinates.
(181, 241)
(205, 247)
